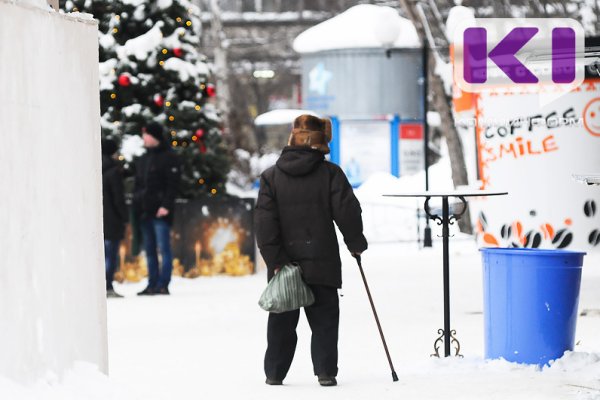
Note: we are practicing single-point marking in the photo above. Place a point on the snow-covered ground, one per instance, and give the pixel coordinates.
(207, 340)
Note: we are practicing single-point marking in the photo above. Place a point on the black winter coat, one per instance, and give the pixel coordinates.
(113, 200)
(157, 176)
(298, 201)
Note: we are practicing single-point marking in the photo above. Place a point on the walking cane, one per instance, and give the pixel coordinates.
(387, 353)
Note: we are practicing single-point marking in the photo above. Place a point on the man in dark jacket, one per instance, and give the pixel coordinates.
(115, 211)
(298, 202)
(156, 184)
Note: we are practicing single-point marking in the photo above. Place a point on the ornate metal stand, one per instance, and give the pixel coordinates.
(445, 220)
(439, 340)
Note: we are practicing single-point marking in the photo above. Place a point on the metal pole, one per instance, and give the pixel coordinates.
(445, 236)
(427, 242)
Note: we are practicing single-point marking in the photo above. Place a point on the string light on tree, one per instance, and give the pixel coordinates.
(177, 51)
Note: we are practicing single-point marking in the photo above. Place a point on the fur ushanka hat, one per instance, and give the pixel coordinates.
(311, 131)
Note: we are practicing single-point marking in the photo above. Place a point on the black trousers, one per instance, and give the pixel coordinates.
(323, 317)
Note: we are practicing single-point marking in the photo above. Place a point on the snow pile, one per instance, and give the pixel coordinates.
(134, 3)
(142, 45)
(173, 41)
(204, 316)
(133, 109)
(406, 212)
(361, 26)
(259, 164)
(280, 117)
(268, 16)
(444, 70)
(164, 4)
(238, 191)
(107, 72)
(458, 15)
(588, 363)
(372, 191)
(207, 315)
(106, 40)
(434, 118)
(43, 4)
(185, 69)
(589, 16)
(243, 181)
(132, 146)
(83, 381)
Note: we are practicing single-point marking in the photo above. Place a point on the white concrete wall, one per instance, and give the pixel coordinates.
(52, 304)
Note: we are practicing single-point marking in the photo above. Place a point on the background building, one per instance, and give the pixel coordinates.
(262, 70)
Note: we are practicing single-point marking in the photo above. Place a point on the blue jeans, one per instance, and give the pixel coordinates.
(156, 231)
(111, 258)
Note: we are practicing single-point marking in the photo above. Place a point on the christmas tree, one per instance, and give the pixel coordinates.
(151, 70)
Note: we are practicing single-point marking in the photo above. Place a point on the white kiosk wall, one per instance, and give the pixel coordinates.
(52, 304)
(534, 161)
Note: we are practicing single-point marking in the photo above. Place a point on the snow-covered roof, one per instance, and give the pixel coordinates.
(280, 117)
(361, 26)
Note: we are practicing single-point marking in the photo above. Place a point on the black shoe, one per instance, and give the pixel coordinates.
(326, 380)
(147, 292)
(111, 293)
(162, 291)
(273, 382)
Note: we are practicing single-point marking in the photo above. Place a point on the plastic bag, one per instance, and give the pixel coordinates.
(286, 291)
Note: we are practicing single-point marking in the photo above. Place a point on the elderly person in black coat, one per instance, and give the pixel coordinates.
(299, 200)
(115, 211)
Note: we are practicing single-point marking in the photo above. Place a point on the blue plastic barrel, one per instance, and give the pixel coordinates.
(530, 299)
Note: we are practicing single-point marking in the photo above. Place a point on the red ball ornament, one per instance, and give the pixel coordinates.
(200, 133)
(177, 51)
(210, 90)
(159, 100)
(124, 80)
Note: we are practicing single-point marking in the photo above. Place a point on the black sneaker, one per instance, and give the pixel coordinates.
(162, 291)
(112, 294)
(147, 292)
(273, 382)
(326, 380)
